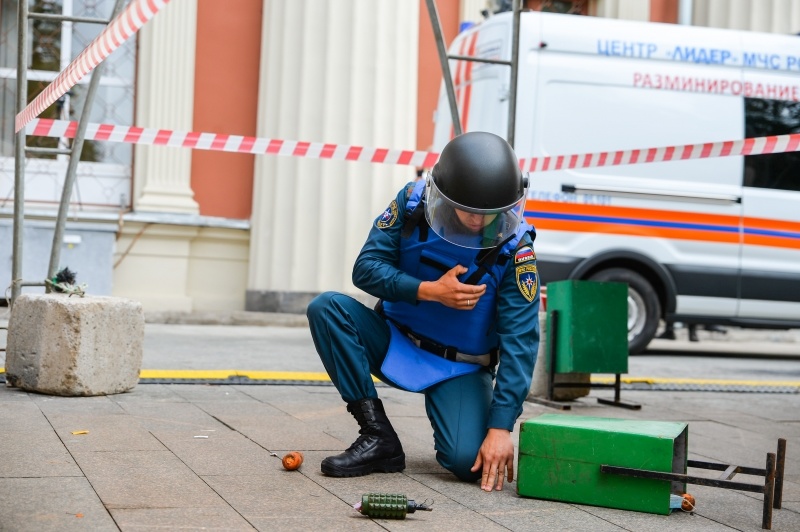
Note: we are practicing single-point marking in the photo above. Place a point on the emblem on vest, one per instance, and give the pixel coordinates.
(524, 254)
(527, 281)
(388, 218)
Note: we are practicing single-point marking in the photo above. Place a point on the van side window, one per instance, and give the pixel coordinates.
(771, 117)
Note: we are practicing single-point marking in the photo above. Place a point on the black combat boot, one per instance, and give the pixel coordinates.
(377, 448)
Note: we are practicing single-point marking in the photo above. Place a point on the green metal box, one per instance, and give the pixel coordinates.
(592, 332)
(560, 458)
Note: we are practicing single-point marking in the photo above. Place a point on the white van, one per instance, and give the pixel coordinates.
(709, 241)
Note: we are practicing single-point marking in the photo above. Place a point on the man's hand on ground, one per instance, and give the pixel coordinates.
(496, 456)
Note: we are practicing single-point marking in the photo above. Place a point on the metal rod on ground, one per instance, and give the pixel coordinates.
(780, 465)
(433, 13)
(769, 492)
(19, 150)
(74, 159)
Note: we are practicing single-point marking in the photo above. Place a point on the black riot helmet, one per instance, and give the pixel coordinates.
(475, 193)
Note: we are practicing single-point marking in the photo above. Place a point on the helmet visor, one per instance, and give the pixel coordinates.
(467, 226)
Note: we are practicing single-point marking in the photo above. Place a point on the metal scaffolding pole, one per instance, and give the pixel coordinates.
(448, 79)
(74, 159)
(512, 99)
(433, 13)
(19, 149)
(23, 15)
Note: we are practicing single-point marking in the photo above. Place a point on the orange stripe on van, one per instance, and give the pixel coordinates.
(576, 217)
(631, 212)
(635, 230)
(775, 225)
(772, 241)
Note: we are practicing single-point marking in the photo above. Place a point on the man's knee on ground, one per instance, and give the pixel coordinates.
(459, 463)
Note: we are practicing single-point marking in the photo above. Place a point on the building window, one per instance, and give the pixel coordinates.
(574, 7)
(104, 177)
(777, 170)
(568, 7)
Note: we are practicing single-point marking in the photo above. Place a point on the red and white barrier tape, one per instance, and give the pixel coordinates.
(317, 150)
(231, 143)
(119, 30)
(752, 146)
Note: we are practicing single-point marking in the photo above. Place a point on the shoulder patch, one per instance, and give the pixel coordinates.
(524, 254)
(389, 216)
(527, 280)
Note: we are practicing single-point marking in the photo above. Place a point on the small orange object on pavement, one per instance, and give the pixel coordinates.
(292, 460)
(688, 503)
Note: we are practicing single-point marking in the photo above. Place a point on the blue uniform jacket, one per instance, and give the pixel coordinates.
(376, 272)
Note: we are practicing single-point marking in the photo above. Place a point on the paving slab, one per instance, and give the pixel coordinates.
(784, 429)
(287, 433)
(287, 500)
(677, 520)
(215, 393)
(276, 492)
(81, 432)
(35, 454)
(271, 428)
(52, 405)
(165, 393)
(145, 479)
(22, 415)
(220, 452)
(739, 510)
(290, 522)
(447, 513)
(306, 402)
(216, 518)
(51, 504)
(152, 416)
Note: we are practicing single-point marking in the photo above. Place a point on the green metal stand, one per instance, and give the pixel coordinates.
(552, 332)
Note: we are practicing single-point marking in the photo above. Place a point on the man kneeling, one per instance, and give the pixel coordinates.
(451, 260)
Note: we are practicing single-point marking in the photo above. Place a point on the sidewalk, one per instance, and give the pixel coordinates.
(194, 456)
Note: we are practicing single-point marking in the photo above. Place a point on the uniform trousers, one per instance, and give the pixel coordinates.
(352, 340)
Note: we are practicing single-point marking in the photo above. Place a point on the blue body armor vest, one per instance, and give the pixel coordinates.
(469, 332)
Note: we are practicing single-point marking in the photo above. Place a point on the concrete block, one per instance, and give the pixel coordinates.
(539, 381)
(74, 346)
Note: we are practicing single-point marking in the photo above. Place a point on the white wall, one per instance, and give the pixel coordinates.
(339, 71)
(774, 16)
(624, 9)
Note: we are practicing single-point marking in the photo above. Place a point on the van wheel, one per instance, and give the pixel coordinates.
(644, 309)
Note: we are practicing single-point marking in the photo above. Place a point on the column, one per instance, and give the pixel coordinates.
(342, 72)
(624, 9)
(470, 10)
(164, 99)
(774, 16)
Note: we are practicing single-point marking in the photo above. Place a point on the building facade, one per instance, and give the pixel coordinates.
(191, 230)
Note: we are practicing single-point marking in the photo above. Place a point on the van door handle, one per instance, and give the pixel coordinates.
(652, 193)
